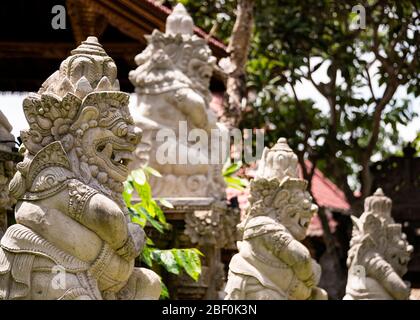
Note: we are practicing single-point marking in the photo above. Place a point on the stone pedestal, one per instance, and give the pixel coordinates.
(206, 224)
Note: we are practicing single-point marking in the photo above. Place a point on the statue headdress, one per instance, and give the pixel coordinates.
(174, 59)
(75, 98)
(376, 232)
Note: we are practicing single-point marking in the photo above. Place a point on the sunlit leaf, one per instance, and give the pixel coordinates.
(139, 176)
(165, 203)
(152, 171)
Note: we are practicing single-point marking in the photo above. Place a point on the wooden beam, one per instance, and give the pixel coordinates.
(85, 21)
(49, 50)
(122, 19)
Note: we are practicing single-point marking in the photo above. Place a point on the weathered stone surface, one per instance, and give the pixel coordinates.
(173, 97)
(73, 238)
(204, 223)
(272, 263)
(379, 254)
(7, 169)
(172, 85)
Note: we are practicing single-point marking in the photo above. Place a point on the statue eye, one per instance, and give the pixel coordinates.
(120, 129)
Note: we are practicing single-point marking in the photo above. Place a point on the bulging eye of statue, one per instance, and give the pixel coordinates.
(120, 129)
(291, 211)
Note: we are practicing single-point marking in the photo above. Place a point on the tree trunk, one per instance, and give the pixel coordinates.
(333, 277)
(235, 65)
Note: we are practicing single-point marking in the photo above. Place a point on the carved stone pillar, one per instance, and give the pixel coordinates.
(207, 225)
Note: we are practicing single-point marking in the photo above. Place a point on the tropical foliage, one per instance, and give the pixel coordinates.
(362, 74)
(145, 210)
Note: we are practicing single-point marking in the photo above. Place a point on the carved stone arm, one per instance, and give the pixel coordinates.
(106, 219)
(382, 271)
(293, 253)
(193, 106)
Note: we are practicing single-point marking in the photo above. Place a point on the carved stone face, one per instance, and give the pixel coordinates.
(200, 73)
(111, 144)
(398, 255)
(297, 215)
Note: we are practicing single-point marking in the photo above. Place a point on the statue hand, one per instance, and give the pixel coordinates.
(134, 243)
(316, 269)
(319, 294)
(137, 235)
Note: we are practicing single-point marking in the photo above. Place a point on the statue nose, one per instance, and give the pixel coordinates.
(134, 135)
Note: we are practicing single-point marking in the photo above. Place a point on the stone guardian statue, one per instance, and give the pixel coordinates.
(272, 263)
(379, 254)
(73, 238)
(173, 97)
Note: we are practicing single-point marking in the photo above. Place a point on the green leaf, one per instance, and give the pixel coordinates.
(139, 176)
(236, 183)
(164, 294)
(198, 252)
(167, 260)
(127, 193)
(152, 171)
(157, 211)
(145, 194)
(146, 257)
(141, 221)
(231, 169)
(190, 261)
(165, 203)
(149, 241)
(152, 221)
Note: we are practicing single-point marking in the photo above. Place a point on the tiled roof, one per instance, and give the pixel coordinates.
(326, 194)
(212, 40)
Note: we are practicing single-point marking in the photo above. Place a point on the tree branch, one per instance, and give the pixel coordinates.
(238, 49)
(369, 80)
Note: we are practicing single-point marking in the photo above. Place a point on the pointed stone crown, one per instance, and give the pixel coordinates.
(87, 69)
(179, 21)
(379, 204)
(174, 59)
(279, 162)
(85, 78)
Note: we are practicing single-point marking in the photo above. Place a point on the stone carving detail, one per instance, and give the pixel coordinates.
(272, 263)
(214, 226)
(172, 85)
(379, 254)
(70, 214)
(7, 169)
